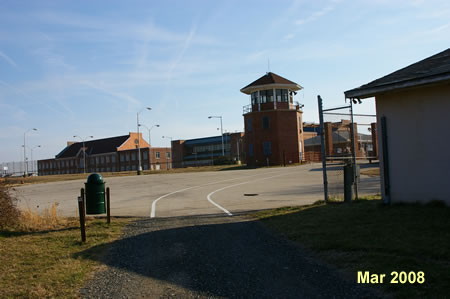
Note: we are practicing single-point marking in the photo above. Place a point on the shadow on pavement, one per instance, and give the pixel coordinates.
(210, 256)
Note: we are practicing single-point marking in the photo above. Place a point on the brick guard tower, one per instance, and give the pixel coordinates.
(273, 122)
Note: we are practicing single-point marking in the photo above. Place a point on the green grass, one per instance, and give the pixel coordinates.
(369, 236)
(47, 264)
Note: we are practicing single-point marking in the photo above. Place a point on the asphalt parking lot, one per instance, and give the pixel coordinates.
(187, 194)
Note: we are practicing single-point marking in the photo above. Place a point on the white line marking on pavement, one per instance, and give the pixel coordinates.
(153, 211)
(225, 210)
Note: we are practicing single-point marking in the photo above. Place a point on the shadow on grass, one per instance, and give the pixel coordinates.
(19, 233)
(367, 235)
(242, 167)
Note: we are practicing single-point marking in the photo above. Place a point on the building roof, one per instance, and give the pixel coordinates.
(433, 69)
(270, 79)
(93, 147)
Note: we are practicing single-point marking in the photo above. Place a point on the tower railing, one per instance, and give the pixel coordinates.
(284, 105)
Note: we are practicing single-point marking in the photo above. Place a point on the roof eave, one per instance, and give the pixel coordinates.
(362, 93)
(250, 89)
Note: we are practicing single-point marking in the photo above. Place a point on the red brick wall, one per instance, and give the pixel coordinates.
(284, 133)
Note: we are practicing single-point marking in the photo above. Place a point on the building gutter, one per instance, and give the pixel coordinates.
(362, 93)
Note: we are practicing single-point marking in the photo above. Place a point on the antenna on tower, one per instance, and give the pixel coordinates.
(268, 65)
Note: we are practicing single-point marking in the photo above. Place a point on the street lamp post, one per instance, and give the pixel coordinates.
(221, 132)
(149, 143)
(139, 140)
(25, 169)
(84, 150)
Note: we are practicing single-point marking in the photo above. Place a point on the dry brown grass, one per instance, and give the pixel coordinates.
(371, 171)
(48, 219)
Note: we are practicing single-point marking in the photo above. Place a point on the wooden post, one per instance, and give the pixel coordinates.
(82, 216)
(108, 206)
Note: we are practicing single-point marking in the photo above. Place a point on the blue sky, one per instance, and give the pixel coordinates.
(86, 67)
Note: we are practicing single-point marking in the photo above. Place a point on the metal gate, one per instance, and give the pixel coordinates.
(348, 146)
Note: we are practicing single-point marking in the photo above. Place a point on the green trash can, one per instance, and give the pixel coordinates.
(95, 195)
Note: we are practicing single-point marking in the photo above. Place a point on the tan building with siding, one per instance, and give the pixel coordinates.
(412, 107)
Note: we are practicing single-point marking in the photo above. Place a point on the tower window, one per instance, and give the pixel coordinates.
(269, 95)
(284, 95)
(254, 98)
(266, 122)
(263, 96)
(267, 148)
(249, 125)
(250, 150)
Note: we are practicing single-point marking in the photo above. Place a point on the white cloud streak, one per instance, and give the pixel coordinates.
(317, 14)
(8, 59)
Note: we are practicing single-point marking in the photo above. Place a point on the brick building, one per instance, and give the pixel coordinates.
(107, 155)
(273, 122)
(208, 150)
(338, 141)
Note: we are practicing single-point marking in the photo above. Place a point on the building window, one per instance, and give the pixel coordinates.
(263, 96)
(254, 97)
(250, 150)
(97, 160)
(249, 125)
(265, 122)
(113, 158)
(158, 155)
(107, 159)
(267, 148)
(133, 156)
(269, 95)
(145, 155)
(168, 155)
(284, 95)
(127, 157)
(102, 159)
(122, 157)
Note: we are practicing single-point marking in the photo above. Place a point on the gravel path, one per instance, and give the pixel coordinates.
(211, 257)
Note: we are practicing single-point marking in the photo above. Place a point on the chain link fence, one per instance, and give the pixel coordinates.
(348, 140)
(18, 168)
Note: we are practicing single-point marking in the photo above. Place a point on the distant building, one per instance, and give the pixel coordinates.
(107, 155)
(273, 122)
(412, 107)
(208, 150)
(338, 141)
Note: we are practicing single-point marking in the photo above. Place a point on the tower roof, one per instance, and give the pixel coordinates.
(270, 79)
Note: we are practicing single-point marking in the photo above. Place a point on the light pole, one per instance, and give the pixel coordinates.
(139, 139)
(32, 163)
(84, 150)
(25, 169)
(221, 132)
(149, 143)
(170, 149)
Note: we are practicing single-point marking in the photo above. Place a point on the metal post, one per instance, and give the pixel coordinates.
(138, 145)
(221, 132)
(237, 147)
(385, 154)
(322, 149)
(82, 216)
(108, 205)
(355, 181)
